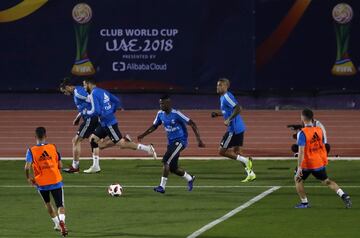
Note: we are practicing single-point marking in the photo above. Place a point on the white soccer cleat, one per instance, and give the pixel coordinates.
(152, 151)
(92, 170)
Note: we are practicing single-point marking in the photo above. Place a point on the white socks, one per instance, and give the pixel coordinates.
(340, 192)
(55, 220)
(145, 148)
(62, 217)
(242, 159)
(75, 164)
(163, 182)
(304, 200)
(96, 161)
(187, 177)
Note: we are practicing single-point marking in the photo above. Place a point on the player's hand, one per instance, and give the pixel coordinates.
(214, 114)
(298, 174)
(227, 122)
(201, 144)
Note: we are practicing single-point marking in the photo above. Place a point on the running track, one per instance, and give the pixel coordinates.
(266, 134)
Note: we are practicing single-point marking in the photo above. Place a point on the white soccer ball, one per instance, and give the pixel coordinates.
(115, 190)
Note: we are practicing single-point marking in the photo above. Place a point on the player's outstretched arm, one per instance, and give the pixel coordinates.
(150, 130)
(196, 132)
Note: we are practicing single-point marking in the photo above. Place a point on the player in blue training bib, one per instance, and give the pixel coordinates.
(174, 123)
(88, 125)
(232, 141)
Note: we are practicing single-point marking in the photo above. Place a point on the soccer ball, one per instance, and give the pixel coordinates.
(115, 190)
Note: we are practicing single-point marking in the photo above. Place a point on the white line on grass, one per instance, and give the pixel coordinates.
(233, 212)
(174, 186)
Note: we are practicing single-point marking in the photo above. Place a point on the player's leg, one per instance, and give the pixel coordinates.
(248, 163)
(299, 185)
(94, 138)
(74, 167)
(174, 168)
(76, 150)
(45, 195)
(58, 195)
(322, 176)
(124, 143)
(230, 147)
(172, 150)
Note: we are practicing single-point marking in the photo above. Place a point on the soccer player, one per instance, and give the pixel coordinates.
(232, 141)
(45, 162)
(174, 123)
(297, 128)
(313, 160)
(107, 134)
(88, 125)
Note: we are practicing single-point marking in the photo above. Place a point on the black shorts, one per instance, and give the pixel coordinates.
(57, 194)
(111, 131)
(88, 127)
(318, 174)
(230, 140)
(172, 154)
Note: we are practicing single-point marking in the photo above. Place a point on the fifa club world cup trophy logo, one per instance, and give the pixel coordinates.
(342, 14)
(82, 14)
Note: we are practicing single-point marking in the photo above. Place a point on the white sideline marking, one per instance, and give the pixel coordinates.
(233, 212)
(201, 186)
(184, 158)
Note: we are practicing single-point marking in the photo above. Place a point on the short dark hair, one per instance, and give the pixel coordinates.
(90, 80)
(40, 132)
(165, 97)
(224, 80)
(65, 82)
(308, 114)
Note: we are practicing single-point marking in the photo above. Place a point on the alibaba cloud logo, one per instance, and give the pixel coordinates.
(23, 9)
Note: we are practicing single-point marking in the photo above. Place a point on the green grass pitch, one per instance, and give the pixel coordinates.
(140, 212)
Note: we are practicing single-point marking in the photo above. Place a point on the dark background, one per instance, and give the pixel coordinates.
(217, 38)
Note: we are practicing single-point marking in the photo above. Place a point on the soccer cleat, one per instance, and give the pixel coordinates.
(251, 177)
(71, 170)
(63, 229)
(191, 184)
(152, 151)
(249, 164)
(92, 170)
(303, 205)
(159, 189)
(347, 201)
